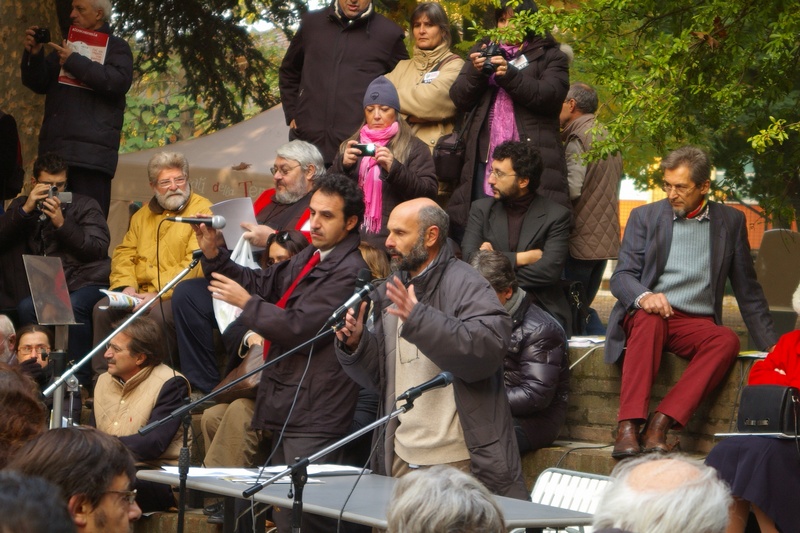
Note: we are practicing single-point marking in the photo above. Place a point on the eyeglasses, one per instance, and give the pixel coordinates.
(127, 495)
(27, 350)
(114, 348)
(179, 182)
(680, 190)
(283, 170)
(500, 175)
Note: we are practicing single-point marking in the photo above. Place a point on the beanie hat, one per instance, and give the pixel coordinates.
(382, 92)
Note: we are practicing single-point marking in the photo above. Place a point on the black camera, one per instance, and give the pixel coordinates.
(41, 35)
(366, 149)
(491, 50)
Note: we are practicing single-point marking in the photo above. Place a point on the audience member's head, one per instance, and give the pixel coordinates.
(30, 504)
(516, 170)
(498, 271)
(22, 414)
(297, 165)
(660, 494)
(694, 159)
(139, 345)
(376, 260)
(8, 339)
(169, 178)
(94, 472)
(283, 245)
(442, 499)
(34, 342)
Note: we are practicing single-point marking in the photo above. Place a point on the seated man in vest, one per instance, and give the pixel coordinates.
(297, 165)
(138, 389)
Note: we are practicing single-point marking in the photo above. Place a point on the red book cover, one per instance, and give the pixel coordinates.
(88, 43)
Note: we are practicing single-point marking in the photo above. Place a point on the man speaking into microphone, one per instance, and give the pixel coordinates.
(435, 314)
(288, 304)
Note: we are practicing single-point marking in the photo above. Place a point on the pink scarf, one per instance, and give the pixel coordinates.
(502, 124)
(369, 176)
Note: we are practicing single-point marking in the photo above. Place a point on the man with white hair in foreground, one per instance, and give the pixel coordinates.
(657, 494)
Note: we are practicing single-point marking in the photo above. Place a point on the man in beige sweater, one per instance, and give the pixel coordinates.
(138, 389)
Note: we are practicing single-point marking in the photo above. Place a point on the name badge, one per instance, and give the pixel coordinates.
(430, 76)
(520, 62)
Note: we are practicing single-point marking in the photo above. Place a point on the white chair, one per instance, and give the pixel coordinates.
(569, 489)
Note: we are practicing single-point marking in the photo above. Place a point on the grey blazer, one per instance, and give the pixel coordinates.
(643, 256)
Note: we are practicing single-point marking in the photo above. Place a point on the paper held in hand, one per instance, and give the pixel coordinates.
(119, 300)
(91, 44)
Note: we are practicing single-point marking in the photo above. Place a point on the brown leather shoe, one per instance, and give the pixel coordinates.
(655, 433)
(627, 443)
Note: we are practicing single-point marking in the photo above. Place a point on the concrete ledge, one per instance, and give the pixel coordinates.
(594, 401)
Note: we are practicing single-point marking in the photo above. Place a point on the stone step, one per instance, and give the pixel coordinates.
(195, 522)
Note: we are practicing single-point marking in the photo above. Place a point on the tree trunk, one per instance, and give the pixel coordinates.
(17, 100)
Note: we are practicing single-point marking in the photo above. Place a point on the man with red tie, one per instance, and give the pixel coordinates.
(288, 304)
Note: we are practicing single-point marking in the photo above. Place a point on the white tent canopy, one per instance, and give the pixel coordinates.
(229, 163)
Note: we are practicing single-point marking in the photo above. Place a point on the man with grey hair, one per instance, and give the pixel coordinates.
(441, 499)
(594, 193)
(8, 339)
(284, 207)
(297, 165)
(674, 262)
(85, 99)
(151, 254)
(436, 313)
(657, 494)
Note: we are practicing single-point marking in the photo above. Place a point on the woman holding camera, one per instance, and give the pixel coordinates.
(389, 162)
(516, 91)
(423, 82)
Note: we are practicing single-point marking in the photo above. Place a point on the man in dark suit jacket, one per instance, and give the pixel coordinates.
(670, 280)
(532, 231)
(311, 402)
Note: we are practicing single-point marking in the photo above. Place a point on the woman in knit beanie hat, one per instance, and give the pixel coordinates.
(389, 162)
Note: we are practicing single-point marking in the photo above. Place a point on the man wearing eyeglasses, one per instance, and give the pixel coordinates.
(139, 389)
(154, 250)
(675, 259)
(94, 472)
(284, 207)
(53, 222)
(530, 229)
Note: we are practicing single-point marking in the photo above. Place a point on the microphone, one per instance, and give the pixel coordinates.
(363, 288)
(442, 380)
(216, 222)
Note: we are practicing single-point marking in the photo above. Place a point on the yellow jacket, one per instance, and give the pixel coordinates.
(427, 106)
(133, 263)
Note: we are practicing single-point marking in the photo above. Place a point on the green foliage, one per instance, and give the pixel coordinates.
(160, 112)
(220, 62)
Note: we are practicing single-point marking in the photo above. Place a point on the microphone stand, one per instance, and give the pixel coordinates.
(196, 255)
(183, 413)
(299, 470)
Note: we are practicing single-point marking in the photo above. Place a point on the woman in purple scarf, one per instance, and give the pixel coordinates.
(389, 162)
(516, 91)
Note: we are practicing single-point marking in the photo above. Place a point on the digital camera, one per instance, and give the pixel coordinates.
(41, 35)
(366, 149)
(491, 50)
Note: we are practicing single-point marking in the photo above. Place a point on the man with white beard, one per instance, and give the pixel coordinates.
(136, 270)
(8, 339)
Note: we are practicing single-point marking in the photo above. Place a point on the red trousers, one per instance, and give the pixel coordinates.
(711, 349)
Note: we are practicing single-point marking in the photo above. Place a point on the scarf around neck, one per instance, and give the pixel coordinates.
(502, 124)
(369, 176)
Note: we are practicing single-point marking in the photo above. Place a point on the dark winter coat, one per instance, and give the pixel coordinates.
(538, 92)
(83, 125)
